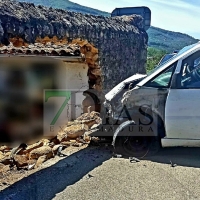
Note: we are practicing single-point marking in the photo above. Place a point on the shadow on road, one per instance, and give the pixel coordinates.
(189, 157)
(46, 183)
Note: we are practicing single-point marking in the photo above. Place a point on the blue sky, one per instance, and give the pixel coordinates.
(174, 15)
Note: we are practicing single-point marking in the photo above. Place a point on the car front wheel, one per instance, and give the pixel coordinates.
(137, 146)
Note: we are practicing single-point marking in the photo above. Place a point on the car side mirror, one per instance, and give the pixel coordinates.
(176, 81)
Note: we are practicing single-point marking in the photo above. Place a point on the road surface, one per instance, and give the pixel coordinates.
(92, 173)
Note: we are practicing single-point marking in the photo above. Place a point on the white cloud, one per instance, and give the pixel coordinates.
(177, 15)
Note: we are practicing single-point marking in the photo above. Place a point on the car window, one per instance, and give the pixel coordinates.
(163, 79)
(190, 72)
(166, 58)
(182, 51)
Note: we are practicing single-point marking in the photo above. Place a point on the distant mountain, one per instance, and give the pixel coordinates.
(158, 38)
(168, 40)
(67, 5)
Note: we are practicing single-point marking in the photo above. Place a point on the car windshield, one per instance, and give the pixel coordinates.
(175, 56)
(166, 58)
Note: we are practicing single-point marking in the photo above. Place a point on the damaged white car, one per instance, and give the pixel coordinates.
(160, 109)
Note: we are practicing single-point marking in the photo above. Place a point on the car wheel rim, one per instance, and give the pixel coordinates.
(136, 145)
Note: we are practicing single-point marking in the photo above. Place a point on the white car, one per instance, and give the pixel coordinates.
(161, 109)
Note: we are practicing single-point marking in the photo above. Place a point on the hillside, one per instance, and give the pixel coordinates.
(158, 38)
(68, 5)
(168, 40)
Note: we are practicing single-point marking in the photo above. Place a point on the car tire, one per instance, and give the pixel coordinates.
(137, 146)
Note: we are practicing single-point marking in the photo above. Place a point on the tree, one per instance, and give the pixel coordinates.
(153, 57)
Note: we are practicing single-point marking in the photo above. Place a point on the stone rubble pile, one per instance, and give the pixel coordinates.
(31, 156)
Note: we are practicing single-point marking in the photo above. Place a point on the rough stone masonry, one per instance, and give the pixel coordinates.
(121, 45)
(121, 41)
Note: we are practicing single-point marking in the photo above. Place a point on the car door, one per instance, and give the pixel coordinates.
(182, 110)
(153, 95)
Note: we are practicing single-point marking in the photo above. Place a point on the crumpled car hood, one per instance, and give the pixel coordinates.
(110, 95)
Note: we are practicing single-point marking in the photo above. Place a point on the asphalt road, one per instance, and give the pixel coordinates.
(92, 173)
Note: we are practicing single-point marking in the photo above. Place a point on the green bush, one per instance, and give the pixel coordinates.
(153, 57)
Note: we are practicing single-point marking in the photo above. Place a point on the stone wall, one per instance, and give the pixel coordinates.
(121, 41)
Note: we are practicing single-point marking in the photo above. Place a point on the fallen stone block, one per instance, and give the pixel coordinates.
(55, 149)
(76, 131)
(4, 149)
(77, 144)
(61, 136)
(95, 139)
(94, 115)
(33, 146)
(18, 150)
(52, 144)
(69, 123)
(89, 123)
(72, 141)
(8, 153)
(72, 132)
(55, 141)
(4, 168)
(90, 118)
(45, 142)
(66, 143)
(2, 155)
(21, 161)
(95, 126)
(87, 138)
(85, 116)
(29, 148)
(5, 159)
(40, 160)
(45, 150)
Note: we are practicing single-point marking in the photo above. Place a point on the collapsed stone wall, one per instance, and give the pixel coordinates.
(121, 41)
(114, 49)
(29, 156)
